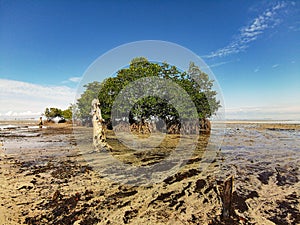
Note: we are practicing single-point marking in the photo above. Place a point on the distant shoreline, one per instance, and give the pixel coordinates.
(258, 121)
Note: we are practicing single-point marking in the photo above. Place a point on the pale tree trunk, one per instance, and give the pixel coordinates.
(99, 137)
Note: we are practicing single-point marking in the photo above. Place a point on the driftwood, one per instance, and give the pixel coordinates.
(99, 137)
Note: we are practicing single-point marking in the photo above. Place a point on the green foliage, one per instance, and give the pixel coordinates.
(199, 87)
(54, 112)
(67, 113)
(195, 82)
(84, 102)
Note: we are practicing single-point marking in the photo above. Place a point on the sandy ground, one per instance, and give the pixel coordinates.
(46, 178)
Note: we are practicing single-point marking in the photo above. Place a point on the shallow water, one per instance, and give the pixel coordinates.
(240, 141)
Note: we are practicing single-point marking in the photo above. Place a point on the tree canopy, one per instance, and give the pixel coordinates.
(51, 113)
(195, 83)
(84, 102)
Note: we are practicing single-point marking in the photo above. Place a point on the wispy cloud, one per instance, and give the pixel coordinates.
(270, 18)
(221, 63)
(275, 65)
(26, 114)
(256, 69)
(75, 79)
(295, 26)
(72, 80)
(21, 98)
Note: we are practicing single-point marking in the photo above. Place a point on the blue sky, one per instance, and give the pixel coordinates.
(253, 48)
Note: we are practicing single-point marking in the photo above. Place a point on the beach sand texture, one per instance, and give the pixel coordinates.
(46, 179)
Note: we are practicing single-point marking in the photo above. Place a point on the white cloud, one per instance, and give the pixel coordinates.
(9, 113)
(28, 113)
(269, 14)
(279, 112)
(26, 99)
(275, 65)
(279, 5)
(220, 63)
(75, 79)
(268, 19)
(295, 26)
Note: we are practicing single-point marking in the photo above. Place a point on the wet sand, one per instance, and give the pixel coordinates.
(46, 179)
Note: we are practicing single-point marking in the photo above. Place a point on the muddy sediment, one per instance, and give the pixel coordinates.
(46, 179)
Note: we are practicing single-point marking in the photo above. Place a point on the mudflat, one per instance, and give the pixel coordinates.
(46, 178)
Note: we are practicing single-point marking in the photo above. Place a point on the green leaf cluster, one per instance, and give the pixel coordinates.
(83, 105)
(51, 113)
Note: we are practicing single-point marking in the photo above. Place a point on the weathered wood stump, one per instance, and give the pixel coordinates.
(226, 197)
(99, 137)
